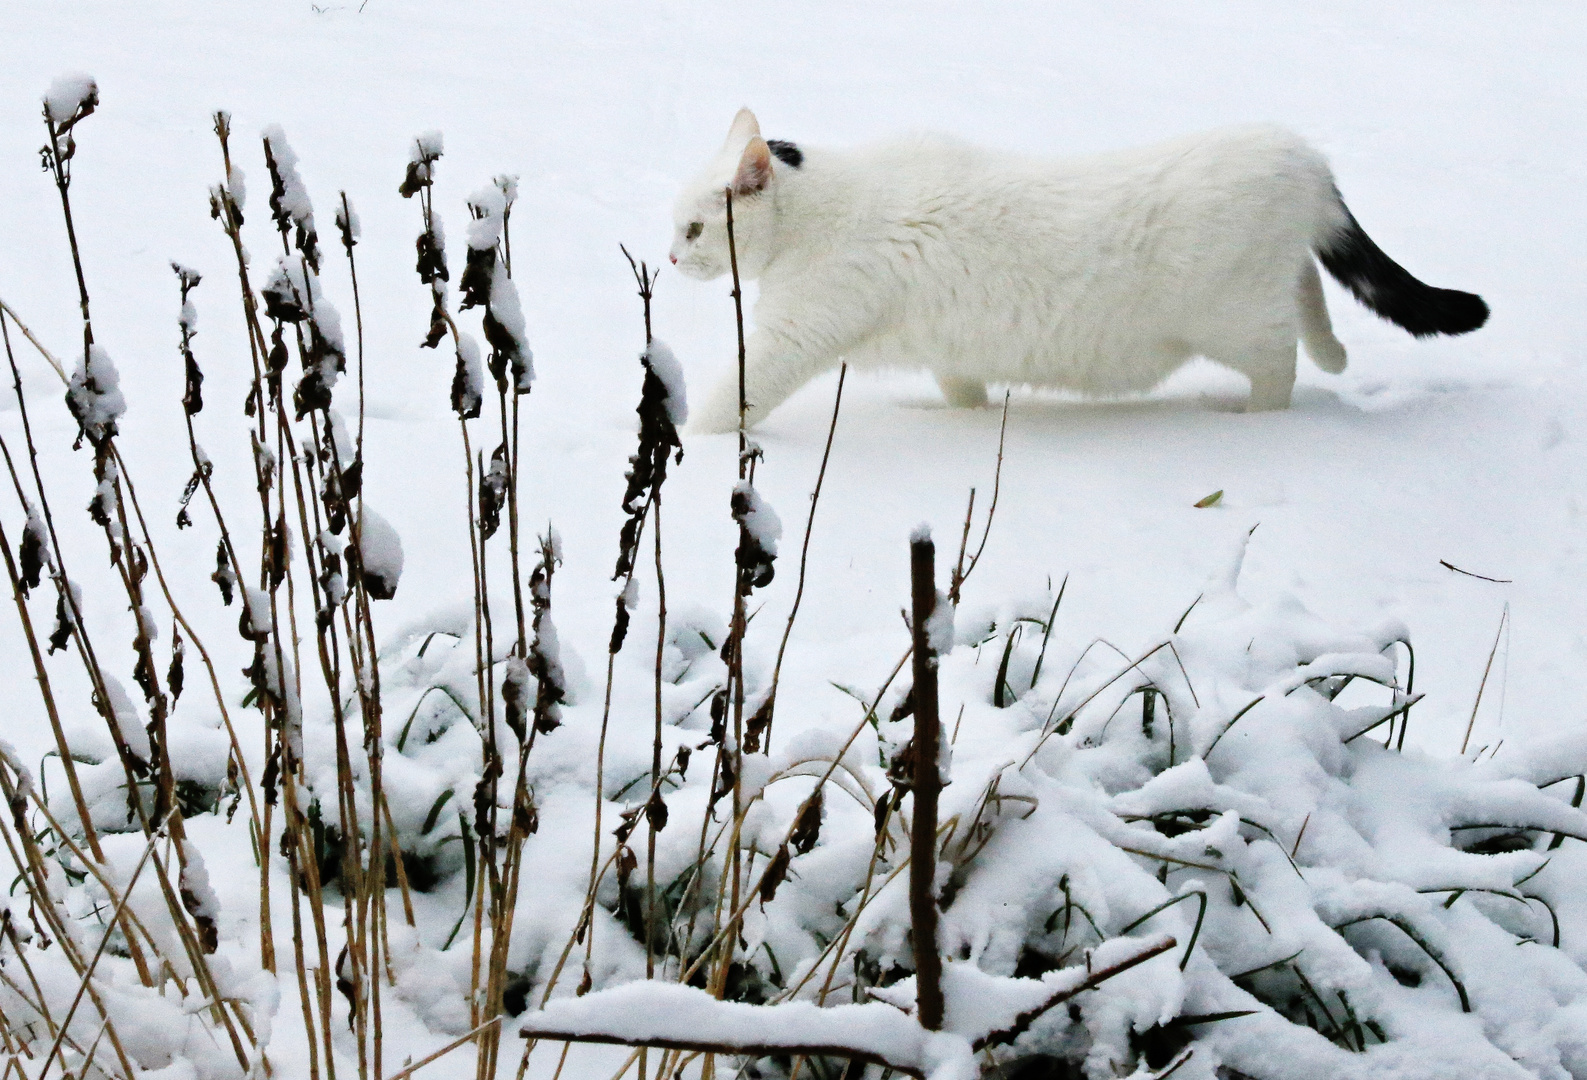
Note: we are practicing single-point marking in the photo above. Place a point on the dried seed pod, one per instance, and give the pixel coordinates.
(883, 808)
(223, 576)
(662, 406)
(64, 620)
(627, 820)
(432, 256)
(656, 811)
(33, 552)
(719, 717)
(759, 529)
(193, 394)
(774, 876)
(545, 657)
(174, 677)
(807, 825)
(485, 797)
(905, 707)
(515, 696)
(627, 600)
(493, 493)
(758, 722)
(525, 816)
(726, 777)
(901, 770)
(422, 156)
(468, 382)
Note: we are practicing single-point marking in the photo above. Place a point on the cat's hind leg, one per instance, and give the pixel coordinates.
(1316, 330)
(962, 393)
(1271, 370)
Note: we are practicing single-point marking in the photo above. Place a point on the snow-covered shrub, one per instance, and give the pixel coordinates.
(1342, 908)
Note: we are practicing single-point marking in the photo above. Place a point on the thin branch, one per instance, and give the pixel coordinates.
(804, 555)
(1504, 617)
(997, 484)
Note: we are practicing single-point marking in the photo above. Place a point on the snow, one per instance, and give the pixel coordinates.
(1453, 137)
(426, 144)
(507, 310)
(293, 200)
(68, 93)
(347, 221)
(486, 207)
(659, 359)
(94, 394)
(651, 1010)
(757, 517)
(939, 626)
(380, 552)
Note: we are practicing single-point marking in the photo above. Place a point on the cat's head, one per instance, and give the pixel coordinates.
(699, 240)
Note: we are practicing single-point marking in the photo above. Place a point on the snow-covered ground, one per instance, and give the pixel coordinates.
(1454, 132)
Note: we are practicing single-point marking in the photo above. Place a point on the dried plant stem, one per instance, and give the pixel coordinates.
(166, 813)
(655, 748)
(961, 575)
(192, 636)
(804, 556)
(1504, 617)
(926, 787)
(36, 343)
(736, 631)
(68, 764)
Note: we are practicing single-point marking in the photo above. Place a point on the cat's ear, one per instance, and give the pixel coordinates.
(745, 127)
(754, 167)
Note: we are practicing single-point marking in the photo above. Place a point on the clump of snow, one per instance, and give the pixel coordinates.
(69, 93)
(380, 555)
(507, 313)
(93, 395)
(256, 611)
(757, 517)
(759, 530)
(291, 200)
(939, 626)
(427, 144)
(347, 222)
(486, 207)
(125, 714)
(660, 361)
(468, 381)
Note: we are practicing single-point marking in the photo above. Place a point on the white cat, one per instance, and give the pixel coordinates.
(1099, 274)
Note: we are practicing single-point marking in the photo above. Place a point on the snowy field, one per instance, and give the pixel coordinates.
(1454, 133)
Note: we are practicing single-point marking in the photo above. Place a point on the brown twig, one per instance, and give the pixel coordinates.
(1479, 577)
(804, 556)
(1504, 617)
(1024, 1020)
(997, 484)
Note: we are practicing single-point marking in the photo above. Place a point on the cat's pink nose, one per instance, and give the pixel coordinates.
(674, 259)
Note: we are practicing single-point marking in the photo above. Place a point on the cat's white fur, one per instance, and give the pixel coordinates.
(1098, 274)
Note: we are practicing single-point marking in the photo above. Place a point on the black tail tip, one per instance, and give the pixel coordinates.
(1450, 312)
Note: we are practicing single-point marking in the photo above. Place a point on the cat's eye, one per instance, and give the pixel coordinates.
(695, 229)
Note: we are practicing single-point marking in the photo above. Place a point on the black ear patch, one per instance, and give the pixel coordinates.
(786, 152)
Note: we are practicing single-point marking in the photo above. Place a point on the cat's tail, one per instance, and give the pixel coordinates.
(1387, 288)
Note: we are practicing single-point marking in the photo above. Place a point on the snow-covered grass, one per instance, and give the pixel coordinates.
(1259, 780)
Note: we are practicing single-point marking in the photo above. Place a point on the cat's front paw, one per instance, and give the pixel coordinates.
(719, 415)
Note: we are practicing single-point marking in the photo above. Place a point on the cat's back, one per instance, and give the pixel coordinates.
(946, 186)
